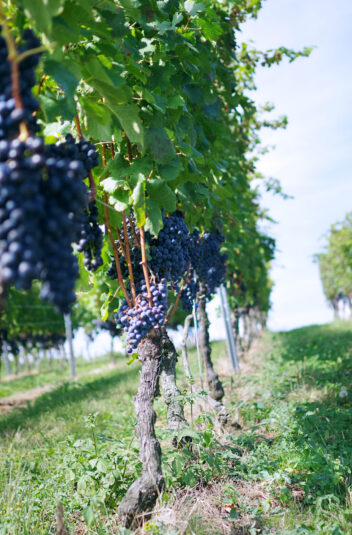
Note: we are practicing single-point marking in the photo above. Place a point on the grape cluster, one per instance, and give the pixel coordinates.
(91, 239)
(169, 253)
(138, 321)
(212, 268)
(22, 210)
(189, 293)
(83, 156)
(207, 264)
(66, 197)
(169, 259)
(43, 198)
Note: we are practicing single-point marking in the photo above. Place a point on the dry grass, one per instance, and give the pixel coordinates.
(195, 511)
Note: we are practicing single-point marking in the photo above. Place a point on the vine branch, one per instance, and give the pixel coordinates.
(134, 231)
(128, 258)
(112, 241)
(179, 293)
(120, 242)
(115, 251)
(145, 266)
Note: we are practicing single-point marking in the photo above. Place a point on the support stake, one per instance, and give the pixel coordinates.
(68, 329)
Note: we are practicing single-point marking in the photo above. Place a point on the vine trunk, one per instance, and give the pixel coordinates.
(214, 384)
(143, 493)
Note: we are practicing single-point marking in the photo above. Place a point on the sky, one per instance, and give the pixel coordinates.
(313, 156)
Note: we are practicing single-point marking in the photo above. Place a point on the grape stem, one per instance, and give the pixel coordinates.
(93, 188)
(134, 232)
(179, 294)
(128, 258)
(40, 85)
(126, 254)
(120, 242)
(145, 266)
(15, 78)
(114, 248)
(31, 52)
(231, 219)
(112, 241)
(127, 245)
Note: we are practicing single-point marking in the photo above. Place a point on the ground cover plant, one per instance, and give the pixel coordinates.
(286, 470)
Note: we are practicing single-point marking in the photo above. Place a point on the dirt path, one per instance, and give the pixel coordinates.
(21, 399)
(13, 376)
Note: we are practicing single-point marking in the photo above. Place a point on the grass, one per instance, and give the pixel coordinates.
(300, 436)
(286, 471)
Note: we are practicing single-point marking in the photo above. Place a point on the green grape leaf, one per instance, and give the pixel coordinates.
(42, 12)
(62, 75)
(160, 145)
(162, 194)
(154, 222)
(130, 121)
(193, 8)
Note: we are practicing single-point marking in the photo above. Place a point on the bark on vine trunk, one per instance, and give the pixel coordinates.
(236, 313)
(214, 384)
(143, 493)
(222, 413)
(171, 393)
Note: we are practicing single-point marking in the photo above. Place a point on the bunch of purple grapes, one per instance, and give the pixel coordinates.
(169, 260)
(22, 210)
(189, 293)
(65, 196)
(43, 199)
(91, 239)
(212, 268)
(169, 251)
(89, 234)
(138, 321)
(207, 265)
